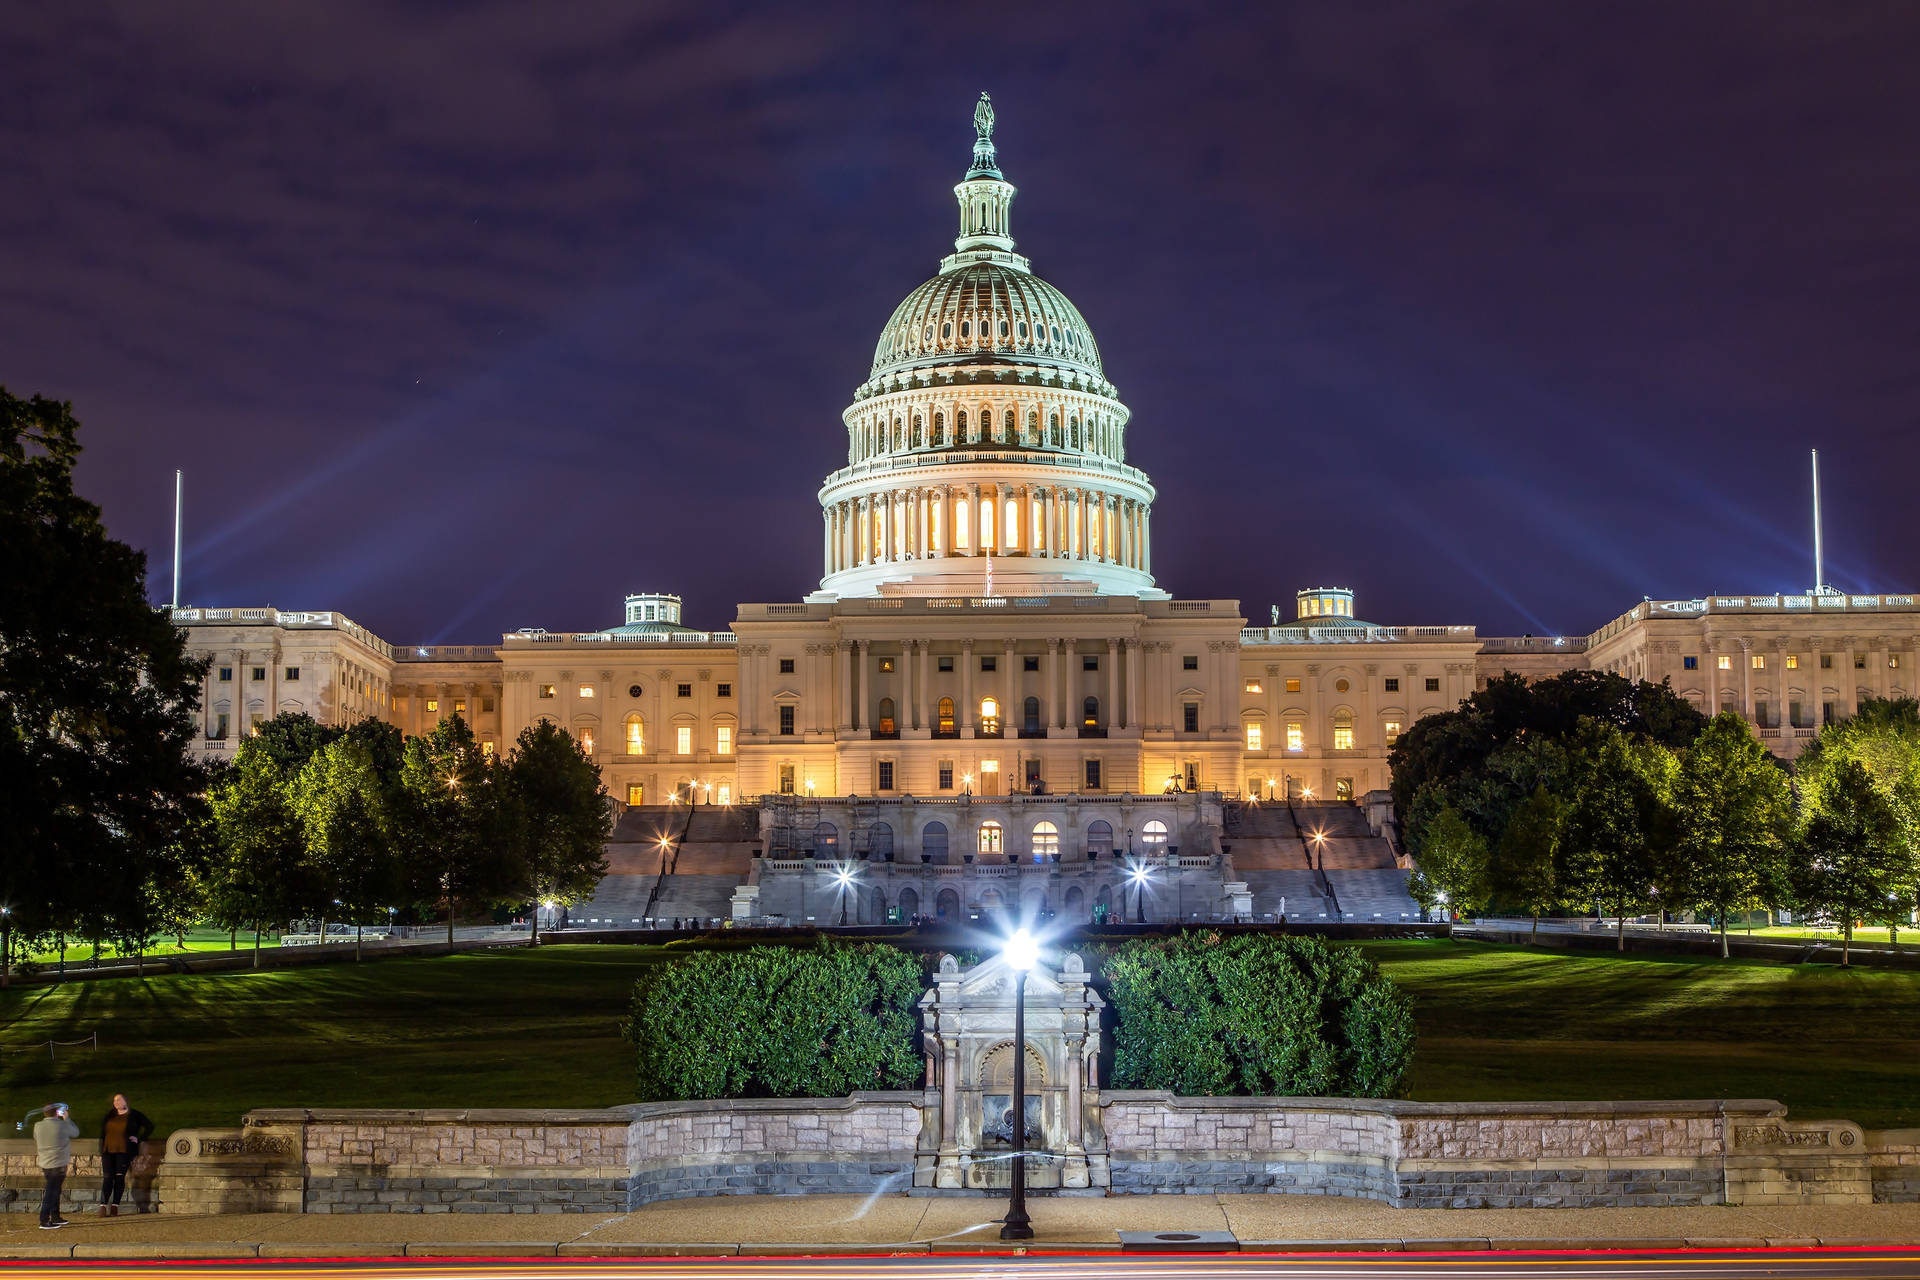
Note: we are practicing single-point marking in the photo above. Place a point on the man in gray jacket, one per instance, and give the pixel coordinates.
(53, 1142)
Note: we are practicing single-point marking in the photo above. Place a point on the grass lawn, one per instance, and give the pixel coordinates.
(538, 1028)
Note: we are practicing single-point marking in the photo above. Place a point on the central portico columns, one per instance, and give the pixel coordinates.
(966, 687)
(1054, 699)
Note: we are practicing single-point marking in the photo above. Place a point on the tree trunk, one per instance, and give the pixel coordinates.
(6, 951)
(233, 938)
(256, 944)
(323, 932)
(1534, 937)
(1846, 941)
(449, 924)
(140, 961)
(536, 922)
(1620, 937)
(1725, 951)
(63, 957)
(356, 944)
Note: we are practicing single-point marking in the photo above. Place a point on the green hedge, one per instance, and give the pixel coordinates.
(1256, 1015)
(777, 1022)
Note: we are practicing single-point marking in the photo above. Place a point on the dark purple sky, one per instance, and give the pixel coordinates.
(467, 318)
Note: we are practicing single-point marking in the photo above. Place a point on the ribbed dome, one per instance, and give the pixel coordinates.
(986, 313)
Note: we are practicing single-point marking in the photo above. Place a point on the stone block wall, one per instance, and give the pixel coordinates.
(773, 1146)
(1893, 1165)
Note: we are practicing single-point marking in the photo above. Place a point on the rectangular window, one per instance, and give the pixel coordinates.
(944, 664)
(946, 775)
(786, 720)
(1760, 713)
(1793, 662)
(1343, 737)
(786, 779)
(1795, 716)
(293, 673)
(636, 793)
(1433, 684)
(1190, 717)
(459, 706)
(546, 691)
(723, 690)
(259, 674)
(226, 674)
(989, 664)
(1826, 662)
(786, 666)
(1392, 684)
(723, 740)
(1727, 708)
(1253, 686)
(1254, 736)
(1689, 663)
(1093, 775)
(1293, 685)
(1193, 775)
(1296, 736)
(1725, 662)
(1759, 661)
(885, 773)
(1826, 713)
(486, 706)
(253, 724)
(886, 666)
(683, 691)
(683, 740)
(1189, 662)
(1029, 664)
(1893, 660)
(1089, 662)
(433, 705)
(1859, 662)
(220, 726)
(486, 749)
(725, 792)
(586, 691)
(1393, 731)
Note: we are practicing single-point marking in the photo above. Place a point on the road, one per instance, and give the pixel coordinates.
(1856, 1264)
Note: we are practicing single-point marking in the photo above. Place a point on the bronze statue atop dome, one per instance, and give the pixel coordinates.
(983, 118)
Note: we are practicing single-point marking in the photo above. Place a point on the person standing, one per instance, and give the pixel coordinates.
(121, 1133)
(53, 1143)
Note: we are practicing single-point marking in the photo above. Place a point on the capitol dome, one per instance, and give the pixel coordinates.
(988, 313)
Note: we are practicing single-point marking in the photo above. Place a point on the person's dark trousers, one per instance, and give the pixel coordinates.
(50, 1202)
(115, 1165)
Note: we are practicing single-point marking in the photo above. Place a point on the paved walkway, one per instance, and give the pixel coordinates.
(903, 1224)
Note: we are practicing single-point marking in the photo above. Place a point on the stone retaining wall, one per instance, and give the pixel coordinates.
(1893, 1164)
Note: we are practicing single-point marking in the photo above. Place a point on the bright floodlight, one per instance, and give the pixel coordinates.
(1139, 874)
(1320, 837)
(843, 877)
(1021, 950)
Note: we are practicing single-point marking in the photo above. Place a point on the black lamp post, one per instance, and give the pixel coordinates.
(1021, 952)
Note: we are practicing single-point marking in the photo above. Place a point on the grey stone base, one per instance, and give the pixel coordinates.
(1896, 1186)
(1237, 1177)
(770, 1177)
(1555, 1189)
(372, 1194)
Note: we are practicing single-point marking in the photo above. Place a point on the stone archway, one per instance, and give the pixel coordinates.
(1076, 909)
(947, 905)
(909, 904)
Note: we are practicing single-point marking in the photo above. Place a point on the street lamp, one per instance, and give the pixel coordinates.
(1320, 848)
(1138, 874)
(843, 877)
(1020, 954)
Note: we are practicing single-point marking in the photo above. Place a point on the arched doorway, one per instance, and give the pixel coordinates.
(909, 904)
(1034, 907)
(1099, 836)
(826, 840)
(992, 839)
(878, 912)
(1076, 904)
(880, 842)
(1103, 905)
(933, 842)
(947, 905)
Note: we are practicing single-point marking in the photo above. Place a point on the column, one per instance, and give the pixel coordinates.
(1133, 684)
(1060, 703)
(966, 688)
(1076, 1067)
(861, 669)
(1053, 681)
(1849, 685)
(1313, 739)
(1746, 679)
(920, 524)
(917, 662)
(1146, 529)
(973, 520)
(1370, 735)
(1043, 511)
(1113, 683)
(846, 686)
(889, 506)
(1126, 532)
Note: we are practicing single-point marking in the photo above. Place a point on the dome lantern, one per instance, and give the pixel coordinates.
(985, 197)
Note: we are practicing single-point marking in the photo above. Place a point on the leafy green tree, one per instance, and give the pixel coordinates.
(1523, 864)
(1616, 828)
(1851, 854)
(347, 818)
(1732, 806)
(776, 1022)
(97, 699)
(560, 816)
(459, 823)
(291, 739)
(1452, 867)
(258, 873)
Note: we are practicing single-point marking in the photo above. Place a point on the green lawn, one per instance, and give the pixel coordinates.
(538, 1028)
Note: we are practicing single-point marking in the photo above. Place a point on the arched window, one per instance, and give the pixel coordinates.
(989, 715)
(1033, 428)
(1343, 730)
(933, 842)
(1073, 431)
(1090, 713)
(1030, 716)
(1012, 525)
(1008, 427)
(991, 838)
(1046, 841)
(826, 838)
(586, 742)
(986, 524)
(960, 517)
(1053, 429)
(1099, 836)
(1154, 833)
(636, 736)
(959, 424)
(946, 715)
(886, 724)
(880, 841)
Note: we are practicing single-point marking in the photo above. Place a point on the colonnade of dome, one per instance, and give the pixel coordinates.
(955, 419)
(996, 517)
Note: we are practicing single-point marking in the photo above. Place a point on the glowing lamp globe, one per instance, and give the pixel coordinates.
(1021, 951)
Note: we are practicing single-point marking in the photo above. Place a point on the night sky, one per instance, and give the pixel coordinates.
(468, 318)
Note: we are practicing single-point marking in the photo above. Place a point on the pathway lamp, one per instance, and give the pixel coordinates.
(1306, 792)
(843, 878)
(1020, 953)
(1138, 874)
(1320, 848)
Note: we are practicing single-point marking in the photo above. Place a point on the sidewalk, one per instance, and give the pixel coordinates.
(901, 1224)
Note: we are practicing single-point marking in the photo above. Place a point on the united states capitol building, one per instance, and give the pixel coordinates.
(990, 698)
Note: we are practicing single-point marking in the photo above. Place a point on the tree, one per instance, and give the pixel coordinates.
(291, 739)
(1731, 807)
(1615, 830)
(259, 866)
(346, 818)
(458, 821)
(1851, 854)
(1522, 867)
(560, 814)
(97, 700)
(1452, 865)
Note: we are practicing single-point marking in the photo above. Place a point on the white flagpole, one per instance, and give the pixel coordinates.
(178, 484)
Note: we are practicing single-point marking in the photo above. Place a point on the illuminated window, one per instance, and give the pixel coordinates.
(253, 724)
(885, 722)
(1759, 662)
(636, 738)
(1393, 731)
(723, 740)
(1296, 736)
(459, 706)
(433, 704)
(986, 524)
(220, 727)
(1726, 662)
(486, 749)
(945, 717)
(586, 691)
(1046, 841)
(786, 779)
(636, 793)
(946, 775)
(1893, 660)
(991, 837)
(586, 742)
(1793, 662)
(1253, 686)
(1155, 833)
(683, 740)
(725, 791)
(546, 691)
(989, 715)
(886, 666)
(1293, 686)
(1341, 686)
(1255, 738)
(1343, 731)
(1012, 523)
(960, 524)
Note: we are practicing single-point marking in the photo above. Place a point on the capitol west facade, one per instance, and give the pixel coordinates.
(988, 624)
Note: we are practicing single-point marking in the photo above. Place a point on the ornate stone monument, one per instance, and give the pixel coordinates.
(968, 1022)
